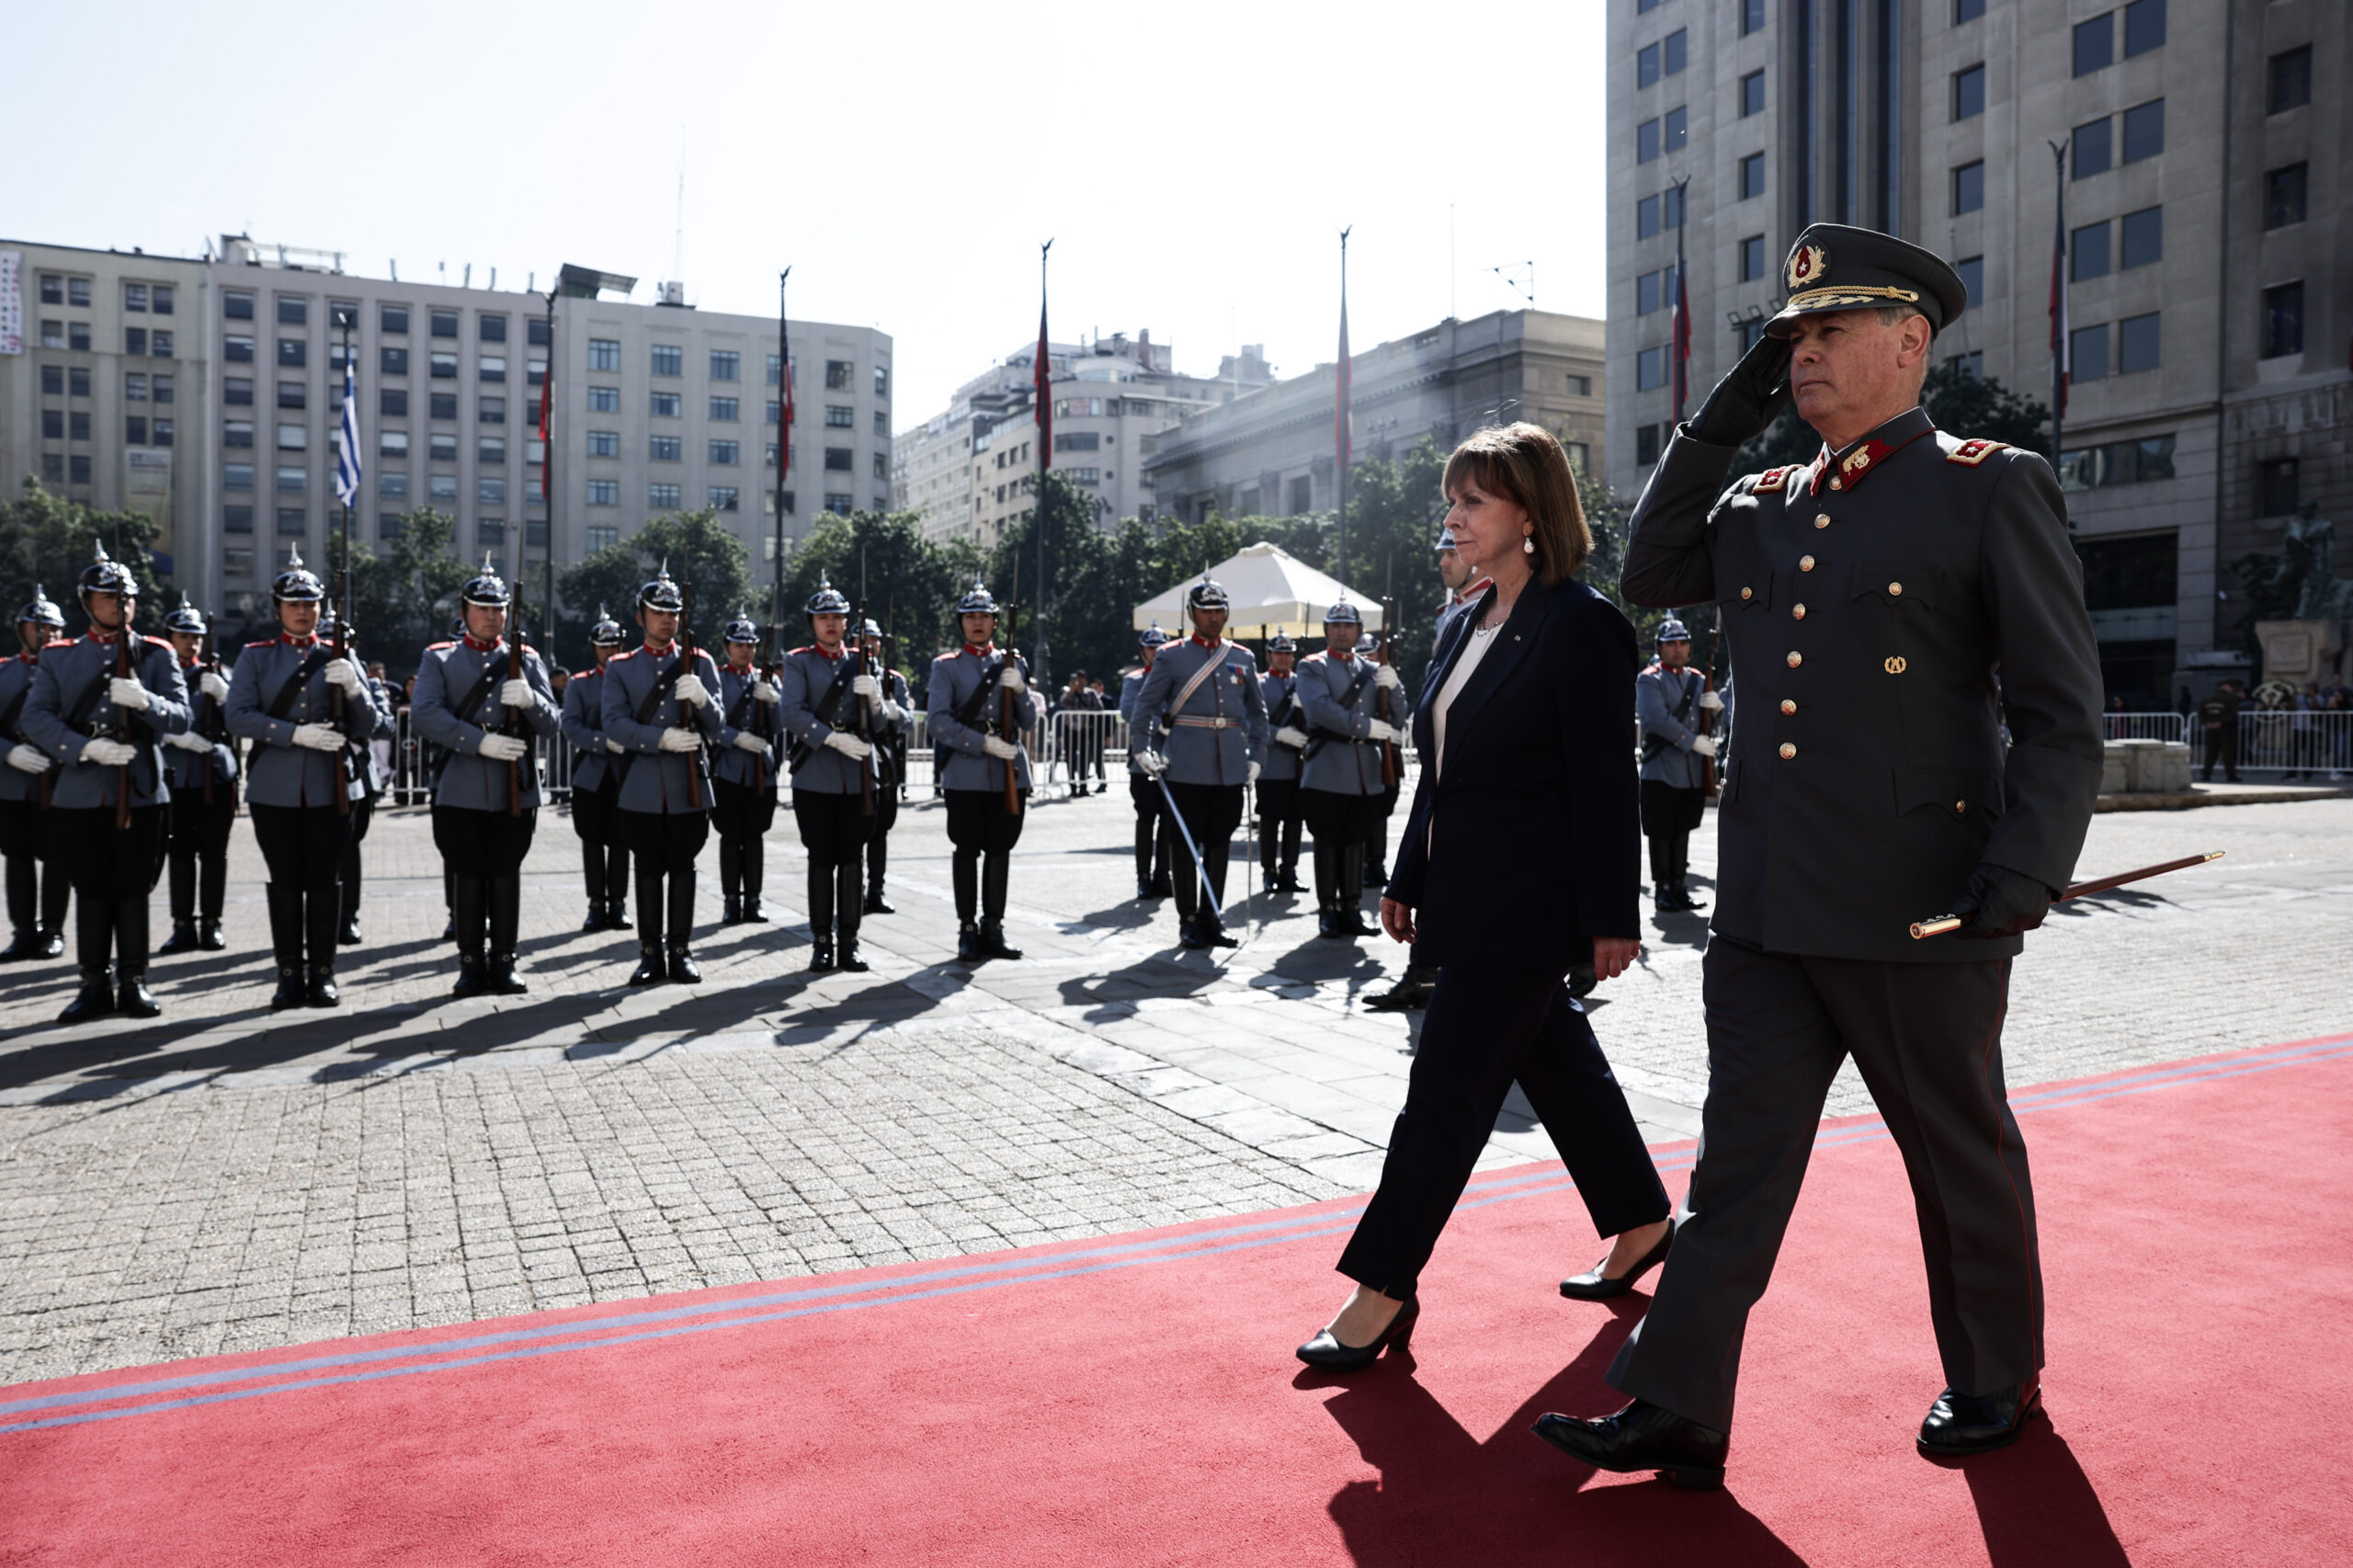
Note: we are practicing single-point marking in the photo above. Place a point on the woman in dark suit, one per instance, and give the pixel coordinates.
(1520, 859)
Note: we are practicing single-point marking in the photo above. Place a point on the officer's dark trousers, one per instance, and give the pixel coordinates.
(1279, 821)
(113, 869)
(742, 814)
(878, 842)
(1485, 1029)
(2223, 746)
(1341, 825)
(1928, 1039)
(1211, 812)
(1669, 817)
(39, 885)
(604, 860)
(1154, 840)
(834, 830)
(362, 813)
(983, 834)
(200, 851)
(484, 851)
(303, 846)
(665, 845)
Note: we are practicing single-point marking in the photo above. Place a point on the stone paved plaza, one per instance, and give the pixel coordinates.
(229, 1180)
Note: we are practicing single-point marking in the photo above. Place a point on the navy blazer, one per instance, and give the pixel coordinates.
(1526, 846)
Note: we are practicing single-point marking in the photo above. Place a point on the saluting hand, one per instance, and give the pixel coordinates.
(1749, 398)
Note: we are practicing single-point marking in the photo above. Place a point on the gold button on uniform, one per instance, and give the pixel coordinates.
(1797, 612)
(1837, 484)
(1895, 665)
(1895, 589)
(1788, 751)
(1960, 806)
(1787, 706)
(1796, 659)
(1748, 593)
(1822, 519)
(1805, 562)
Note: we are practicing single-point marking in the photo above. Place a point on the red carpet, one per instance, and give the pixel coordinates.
(1133, 1400)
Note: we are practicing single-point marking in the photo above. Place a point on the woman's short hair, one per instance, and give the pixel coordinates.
(1525, 465)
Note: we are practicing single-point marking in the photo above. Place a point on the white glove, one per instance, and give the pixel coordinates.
(1704, 744)
(214, 687)
(189, 740)
(1000, 748)
(515, 693)
(613, 746)
(746, 741)
(893, 713)
(763, 692)
(864, 685)
(691, 689)
(1251, 776)
(318, 737)
(126, 694)
(1292, 737)
(29, 759)
(343, 673)
(851, 746)
(1387, 675)
(1151, 763)
(108, 753)
(681, 740)
(1380, 730)
(1013, 681)
(503, 748)
(1712, 702)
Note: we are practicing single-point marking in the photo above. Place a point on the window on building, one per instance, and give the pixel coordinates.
(1969, 187)
(1646, 217)
(492, 367)
(1972, 278)
(134, 430)
(1967, 11)
(2095, 43)
(841, 417)
(881, 422)
(391, 485)
(159, 344)
(134, 297)
(1752, 175)
(159, 432)
(882, 381)
(2279, 487)
(392, 320)
(2140, 461)
(2094, 151)
(2283, 320)
(134, 340)
(442, 487)
(161, 295)
(726, 408)
(77, 336)
(2144, 25)
(2144, 130)
(882, 467)
(535, 372)
(722, 497)
(1646, 66)
(1969, 92)
(1670, 209)
(1676, 45)
(667, 405)
(670, 360)
(1646, 444)
(604, 492)
(1971, 366)
(666, 448)
(840, 375)
(604, 443)
(392, 443)
(293, 312)
(77, 381)
(294, 522)
(1752, 94)
(52, 380)
(77, 424)
(237, 476)
(536, 332)
(1650, 369)
(1678, 128)
(443, 405)
(53, 335)
(77, 291)
(2139, 344)
(293, 438)
(52, 288)
(135, 386)
(1646, 142)
(293, 394)
(490, 490)
(233, 432)
(442, 446)
(725, 453)
(392, 401)
(661, 497)
(2141, 237)
(294, 480)
(769, 460)
(163, 387)
(391, 361)
(53, 468)
(726, 365)
(491, 410)
(444, 323)
(1646, 292)
(492, 329)
(1752, 16)
(2087, 248)
(2283, 197)
(603, 400)
(2087, 354)
(604, 354)
(237, 520)
(2289, 81)
(489, 449)
(294, 353)
(839, 459)
(236, 305)
(443, 367)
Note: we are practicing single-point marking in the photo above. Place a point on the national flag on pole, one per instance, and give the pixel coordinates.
(2061, 365)
(547, 423)
(1342, 417)
(1041, 386)
(346, 461)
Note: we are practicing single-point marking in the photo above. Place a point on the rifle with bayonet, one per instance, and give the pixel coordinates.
(1389, 757)
(864, 728)
(1008, 717)
(511, 720)
(339, 646)
(686, 666)
(209, 727)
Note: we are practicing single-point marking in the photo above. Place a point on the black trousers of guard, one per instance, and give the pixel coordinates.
(1211, 812)
(1669, 818)
(983, 834)
(1278, 825)
(40, 884)
(878, 841)
(665, 845)
(742, 814)
(302, 848)
(484, 853)
(1156, 841)
(200, 851)
(363, 812)
(1928, 1039)
(1342, 827)
(604, 860)
(1485, 1029)
(113, 870)
(1376, 838)
(2223, 746)
(834, 830)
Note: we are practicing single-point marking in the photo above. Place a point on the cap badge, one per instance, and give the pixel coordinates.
(1807, 266)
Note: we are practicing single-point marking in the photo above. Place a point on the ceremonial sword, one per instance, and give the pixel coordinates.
(1923, 929)
(1200, 871)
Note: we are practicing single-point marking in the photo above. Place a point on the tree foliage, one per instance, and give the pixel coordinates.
(701, 553)
(1961, 404)
(47, 540)
(407, 598)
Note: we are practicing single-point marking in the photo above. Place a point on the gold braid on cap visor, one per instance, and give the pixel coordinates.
(1850, 294)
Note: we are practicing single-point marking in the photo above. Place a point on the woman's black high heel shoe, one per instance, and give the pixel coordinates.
(1594, 1286)
(1331, 1356)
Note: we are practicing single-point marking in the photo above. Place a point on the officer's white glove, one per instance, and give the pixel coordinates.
(613, 746)
(1153, 763)
(29, 759)
(851, 746)
(681, 740)
(746, 741)
(126, 694)
(214, 687)
(764, 692)
(1380, 730)
(517, 693)
(1712, 702)
(893, 714)
(1251, 776)
(1000, 748)
(1292, 737)
(1013, 681)
(108, 753)
(1387, 675)
(189, 740)
(1704, 744)
(864, 685)
(691, 689)
(343, 673)
(503, 748)
(318, 737)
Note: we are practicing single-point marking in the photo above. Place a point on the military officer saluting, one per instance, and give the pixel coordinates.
(891, 714)
(980, 705)
(106, 817)
(659, 707)
(1203, 705)
(202, 767)
(1341, 793)
(1868, 595)
(481, 700)
(829, 691)
(744, 773)
(1278, 788)
(1155, 843)
(38, 883)
(1671, 700)
(597, 783)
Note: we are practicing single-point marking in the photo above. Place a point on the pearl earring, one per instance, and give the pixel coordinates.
(1528, 543)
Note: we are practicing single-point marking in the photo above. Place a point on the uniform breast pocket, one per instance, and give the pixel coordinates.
(1745, 584)
(1960, 794)
(1897, 584)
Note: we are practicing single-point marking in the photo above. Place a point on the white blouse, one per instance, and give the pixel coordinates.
(1482, 638)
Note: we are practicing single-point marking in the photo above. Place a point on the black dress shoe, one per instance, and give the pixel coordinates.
(1329, 1354)
(850, 962)
(350, 935)
(1962, 1423)
(52, 945)
(290, 988)
(683, 967)
(211, 938)
(1190, 934)
(754, 914)
(321, 991)
(1593, 1285)
(133, 1000)
(473, 977)
(182, 939)
(1641, 1436)
(504, 981)
(1214, 933)
(616, 918)
(94, 999)
(1144, 890)
(821, 957)
(731, 911)
(967, 942)
(1403, 997)
(595, 921)
(1287, 883)
(874, 905)
(28, 945)
(993, 942)
(1350, 923)
(1161, 887)
(650, 970)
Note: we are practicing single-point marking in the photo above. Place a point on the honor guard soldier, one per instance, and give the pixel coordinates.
(1278, 788)
(38, 883)
(371, 782)
(1340, 786)
(1670, 699)
(202, 770)
(893, 713)
(1376, 843)
(1156, 844)
(1461, 593)
(479, 701)
(981, 704)
(99, 706)
(1202, 706)
(1868, 596)
(830, 695)
(659, 706)
(744, 773)
(597, 783)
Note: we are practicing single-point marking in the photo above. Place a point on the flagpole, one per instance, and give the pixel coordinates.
(2060, 347)
(1044, 381)
(547, 470)
(783, 443)
(1682, 345)
(348, 455)
(1340, 416)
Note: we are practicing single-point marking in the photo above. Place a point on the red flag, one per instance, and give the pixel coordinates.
(784, 436)
(1042, 384)
(1343, 424)
(547, 405)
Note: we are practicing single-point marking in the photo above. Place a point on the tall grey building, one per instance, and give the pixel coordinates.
(2208, 302)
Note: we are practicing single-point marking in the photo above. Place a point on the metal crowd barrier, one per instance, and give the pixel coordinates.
(2271, 740)
(2147, 726)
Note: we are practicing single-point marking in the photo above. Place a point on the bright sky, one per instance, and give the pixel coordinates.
(1192, 160)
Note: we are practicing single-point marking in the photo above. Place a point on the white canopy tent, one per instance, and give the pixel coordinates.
(1271, 591)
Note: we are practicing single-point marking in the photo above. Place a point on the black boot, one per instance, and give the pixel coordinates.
(595, 921)
(820, 889)
(181, 940)
(847, 876)
(28, 945)
(285, 945)
(1327, 890)
(93, 999)
(1350, 907)
(131, 997)
(209, 936)
(592, 872)
(505, 921)
(321, 917)
(967, 942)
(93, 945)
(347, 929)
(756, 872)
(615, 889)
(683, 967)
(470, 910)
(730, 863)
(651, 969)
(321, 991)
(993, 942)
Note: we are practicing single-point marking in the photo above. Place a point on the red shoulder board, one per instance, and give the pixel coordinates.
(805, 648)
(430, 647)
(159, 642)
(1974, 450)
(1772, 481)
(943, 658)
(268, 641)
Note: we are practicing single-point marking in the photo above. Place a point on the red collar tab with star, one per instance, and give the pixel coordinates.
(1198, 640)
(982, 651)
(489, 647)
(1866, 457)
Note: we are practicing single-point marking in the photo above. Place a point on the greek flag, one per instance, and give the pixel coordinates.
(346, 461)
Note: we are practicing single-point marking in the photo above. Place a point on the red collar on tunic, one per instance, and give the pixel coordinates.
(489, 647)
(1198, 640)
(108, 638)
(1847, 469)
(831, 655)
(664, 651)
(982, 651)
(1344, 655)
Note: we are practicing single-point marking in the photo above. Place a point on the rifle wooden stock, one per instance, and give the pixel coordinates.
(122, 671)
(686, 666)
(864, 722)
(1008, 721)
(342, 649)
(211, 664)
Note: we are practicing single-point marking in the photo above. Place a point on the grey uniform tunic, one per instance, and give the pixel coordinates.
(283, 774)
(655, 781)
(470, 781)
(954, 678)
(1342, 758)
(583, 726)
(68, 671)
(1221, 728)
(1278, 695)
(185, 769)
(1131, 688)
(805, 679)
(1668, 756)
(16, 696)
(739, 713)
